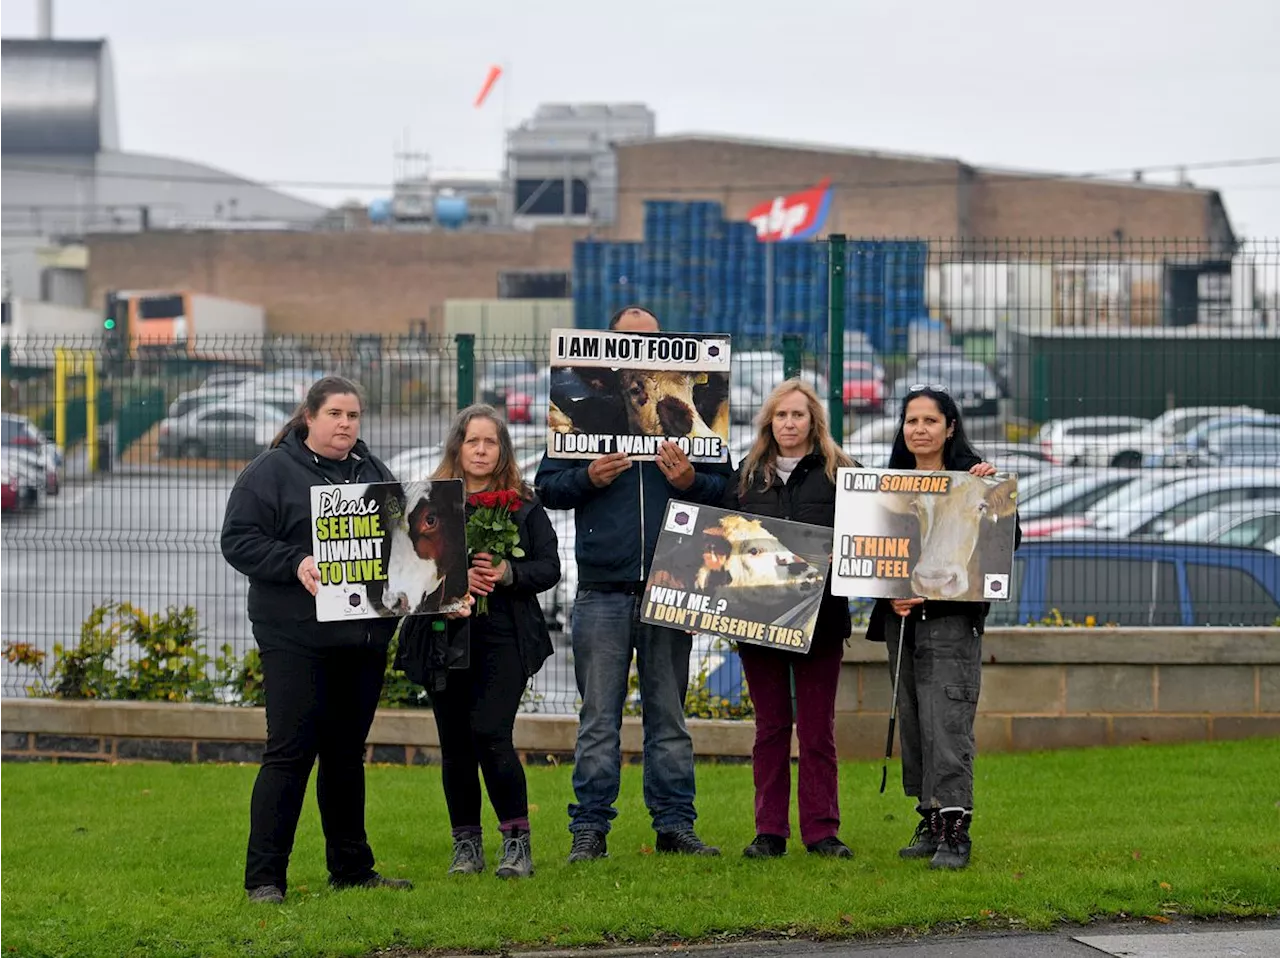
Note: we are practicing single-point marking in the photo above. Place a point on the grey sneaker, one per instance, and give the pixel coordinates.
(517, 856)
(468, 856)
(588, 844)
(266, 895)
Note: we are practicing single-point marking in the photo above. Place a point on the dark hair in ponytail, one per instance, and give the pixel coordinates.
(320, 391)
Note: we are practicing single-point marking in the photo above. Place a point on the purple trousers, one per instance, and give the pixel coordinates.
(817, 674)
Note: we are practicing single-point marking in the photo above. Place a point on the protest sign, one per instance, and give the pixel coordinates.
(937, 535)
(389, 549)
(744, 577)
(628, 392)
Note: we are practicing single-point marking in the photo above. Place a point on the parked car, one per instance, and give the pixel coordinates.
(1081, 440)
(1151, 583)
(1244, 444)
(1172, 503)
(858, 348)
(762, 370)
(23, 440)
(222, 430)
(527, 397)
(1129, 488)
(1190, 448)
(496, 377)
(1254, 523)
(416, 464)
(1071, 498)
(970, 383)
(22, 482)
(1020, 457)
(863, 386)
(1133, 448)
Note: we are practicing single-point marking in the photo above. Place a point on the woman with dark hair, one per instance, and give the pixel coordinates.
(941, 651)
(322, 679)
(475, 706)
(790, 473)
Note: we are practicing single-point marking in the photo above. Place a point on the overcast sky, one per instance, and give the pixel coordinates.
(325, 90)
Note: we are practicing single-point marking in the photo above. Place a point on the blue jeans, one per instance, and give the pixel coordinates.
(606, 629)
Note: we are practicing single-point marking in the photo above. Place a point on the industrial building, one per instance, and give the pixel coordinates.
(67, 175)
(586, 171)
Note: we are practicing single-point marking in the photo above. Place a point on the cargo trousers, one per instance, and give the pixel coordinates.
(937, 704)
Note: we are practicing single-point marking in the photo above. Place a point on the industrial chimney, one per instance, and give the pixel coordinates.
(44, 19)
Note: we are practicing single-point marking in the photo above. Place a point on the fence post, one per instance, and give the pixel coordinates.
(792, 353)
(835, 334)
(466, 369)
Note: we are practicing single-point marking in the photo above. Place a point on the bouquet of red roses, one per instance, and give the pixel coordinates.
(491, 529)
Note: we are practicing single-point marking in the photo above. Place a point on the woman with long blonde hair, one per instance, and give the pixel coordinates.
(790, 473)
(475, 707)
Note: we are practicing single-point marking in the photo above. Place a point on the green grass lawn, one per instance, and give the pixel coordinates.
(148, 859)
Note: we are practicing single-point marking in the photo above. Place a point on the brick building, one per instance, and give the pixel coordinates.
(388, 281)
(898, 195)
(328, 282)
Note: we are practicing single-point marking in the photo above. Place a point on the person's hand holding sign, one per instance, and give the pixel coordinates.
(675, 465)
(904, 606)
(604, 470)
(309, 575)
(983, 469)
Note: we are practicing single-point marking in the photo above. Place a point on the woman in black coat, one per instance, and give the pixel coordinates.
(477, 669)
(789, 473)
(322, 679)
(941, 651)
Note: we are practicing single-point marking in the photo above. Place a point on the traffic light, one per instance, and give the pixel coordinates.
(114, 329)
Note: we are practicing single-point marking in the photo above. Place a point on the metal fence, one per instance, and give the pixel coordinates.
(1134, 387)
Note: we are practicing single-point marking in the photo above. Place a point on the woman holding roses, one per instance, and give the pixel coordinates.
(514, 556)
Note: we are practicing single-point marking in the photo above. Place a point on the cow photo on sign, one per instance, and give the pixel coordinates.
(629, 392)
(740, 576)
(936, 535)
(389, 549)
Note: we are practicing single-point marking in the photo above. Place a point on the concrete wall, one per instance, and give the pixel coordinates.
(1041, 689)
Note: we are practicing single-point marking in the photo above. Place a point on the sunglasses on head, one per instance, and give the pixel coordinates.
(917, 387)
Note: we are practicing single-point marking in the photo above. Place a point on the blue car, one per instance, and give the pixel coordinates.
(1141, 583)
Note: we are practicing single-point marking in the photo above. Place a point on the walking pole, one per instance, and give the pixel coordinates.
(893, 708)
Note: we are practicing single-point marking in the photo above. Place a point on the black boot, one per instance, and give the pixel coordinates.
(953, 850)
(928, 834)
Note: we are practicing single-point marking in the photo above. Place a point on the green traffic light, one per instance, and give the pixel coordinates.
(109, 324)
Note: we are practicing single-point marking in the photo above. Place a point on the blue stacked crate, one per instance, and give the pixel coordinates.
(885, 290)
(819, 300)
(741, 246)
(587, 286)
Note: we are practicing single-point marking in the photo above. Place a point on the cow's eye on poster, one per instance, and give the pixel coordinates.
(740, 576)
(938, 535)
(628, 392)
(389, 549)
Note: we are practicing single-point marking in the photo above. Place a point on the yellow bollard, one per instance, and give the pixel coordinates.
(91, 410)
(60, 399)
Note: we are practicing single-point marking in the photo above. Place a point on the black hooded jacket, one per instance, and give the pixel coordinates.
(266, 533)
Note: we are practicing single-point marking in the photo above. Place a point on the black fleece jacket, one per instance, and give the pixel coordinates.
(266, 533)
